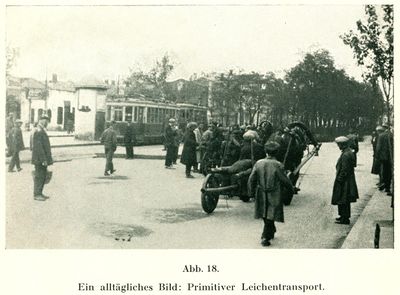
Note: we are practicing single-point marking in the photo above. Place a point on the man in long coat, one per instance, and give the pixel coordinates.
(16, 145)
(265, 182)
(109, 139)
(170, 143)
(188, 157)
(353, 143)
(129, 139)
(345, 189)
(384, 153)
(41, 157)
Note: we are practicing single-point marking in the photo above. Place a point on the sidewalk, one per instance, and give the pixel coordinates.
(377, 211)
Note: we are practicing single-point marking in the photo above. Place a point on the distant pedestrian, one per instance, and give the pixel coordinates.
(376, 164)
(198, 132)
(265, 183)
(170, 142)
(345, 189)
(109, 139)
(16, 145)
(41, 157)
(189, 149)
(384, 152)
(353, 143)
(9, 127)
(129, 140)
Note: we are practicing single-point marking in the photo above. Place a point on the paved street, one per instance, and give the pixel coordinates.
(146, 206)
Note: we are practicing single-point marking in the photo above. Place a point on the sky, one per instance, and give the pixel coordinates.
(107, 41)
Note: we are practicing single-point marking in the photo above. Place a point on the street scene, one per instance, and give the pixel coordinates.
(150, 141)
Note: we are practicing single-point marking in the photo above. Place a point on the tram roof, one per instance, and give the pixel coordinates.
(141, 101)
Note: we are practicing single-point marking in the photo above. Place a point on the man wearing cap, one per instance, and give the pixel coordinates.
(384, 152)
(109, 139)
(16, 145)
(170, 143)
(345, 189)
(265, 183)
(41, 157)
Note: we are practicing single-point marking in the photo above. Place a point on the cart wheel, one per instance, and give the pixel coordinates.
(209, 201)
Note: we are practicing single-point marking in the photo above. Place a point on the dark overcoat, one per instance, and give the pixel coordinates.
(189, 148)
(345, 186)
(265, 182)
(384, 146)
(170, 136)
(16, 140)
(41, 150)
(109, 139)
(129, 135)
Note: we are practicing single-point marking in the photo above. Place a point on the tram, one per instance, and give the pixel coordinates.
(149, 118)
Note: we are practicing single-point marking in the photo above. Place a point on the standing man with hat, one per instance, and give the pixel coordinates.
(16, 145)
(384, 152)
(109, 139)
(170, 143)
(41, 157)
(345, 189)
(265, 183)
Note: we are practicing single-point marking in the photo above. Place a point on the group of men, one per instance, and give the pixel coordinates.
(382, 143)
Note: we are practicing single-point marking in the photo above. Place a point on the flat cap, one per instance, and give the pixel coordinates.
(250, 135)
(271, 146)
(385, 125)
(172, 120)
(44, 117)
(379, 128)
(341, 139)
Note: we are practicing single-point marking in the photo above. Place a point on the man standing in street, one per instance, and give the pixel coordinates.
(16, 145)
(109, 139)
(129, 139)
(170, 143)
(345, 189)
(41, 157)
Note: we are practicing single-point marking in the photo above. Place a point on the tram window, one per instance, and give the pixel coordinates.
(128, 114)
(108, 114)
(117, 113)
(135, 115)
(157, 116)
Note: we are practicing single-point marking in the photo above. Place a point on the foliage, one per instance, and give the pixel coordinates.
(151, 84)
(373, 48)
(11, 58)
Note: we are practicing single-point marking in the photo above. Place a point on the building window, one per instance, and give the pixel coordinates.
(32, 116)
(128, 114)
(40, 113)
(59, 115)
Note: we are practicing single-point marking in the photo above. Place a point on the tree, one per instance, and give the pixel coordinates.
(373, 48)
(152, 84)
(11, 58)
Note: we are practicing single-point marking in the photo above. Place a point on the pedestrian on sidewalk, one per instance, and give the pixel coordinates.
(170, 142)
(345, 189)
(16, 145)
(41, 157)
(384, 151)
(376, 164)
(109, 139)
(189, 148)
(129, 139)
(9, 127)
(265, 183)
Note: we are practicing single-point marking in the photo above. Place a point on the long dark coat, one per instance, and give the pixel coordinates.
(16, 140)
(189, 148)
(129, 135)
(384, 146)
(41, 150)
(170, 136)
(345, 186)
(265, 182)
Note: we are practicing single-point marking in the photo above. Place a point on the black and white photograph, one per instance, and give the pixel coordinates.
(199, 126)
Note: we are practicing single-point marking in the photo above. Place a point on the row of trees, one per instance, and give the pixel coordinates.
(314, 91)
